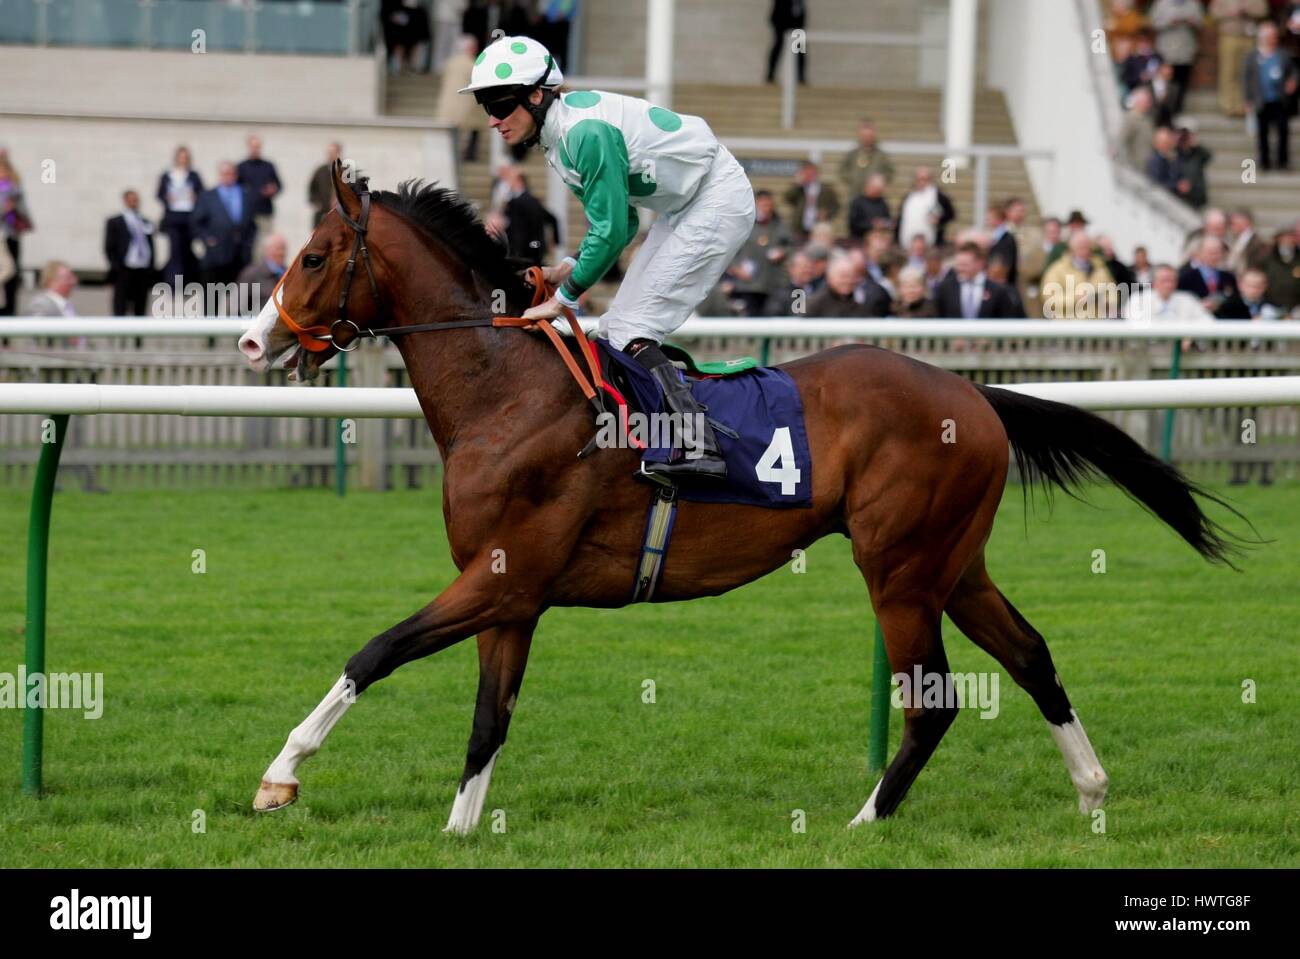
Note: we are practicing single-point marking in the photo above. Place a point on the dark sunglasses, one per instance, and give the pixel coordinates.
(501, 107)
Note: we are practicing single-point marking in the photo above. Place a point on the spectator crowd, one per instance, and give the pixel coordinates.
(821, 246)
(217, 235)
(901, 263)
(1155, 50)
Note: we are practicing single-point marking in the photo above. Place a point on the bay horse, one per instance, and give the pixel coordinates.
(909, 463)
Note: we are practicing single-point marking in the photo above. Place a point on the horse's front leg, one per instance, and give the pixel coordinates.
(474, 602)
(502, 656)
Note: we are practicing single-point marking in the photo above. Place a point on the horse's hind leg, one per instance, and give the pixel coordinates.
(980, 611)
(911, 568)
(912, 638)
(502, 656)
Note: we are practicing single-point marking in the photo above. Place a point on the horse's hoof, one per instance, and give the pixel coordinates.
(1090, 801)
(1092, 792)
(274, 795)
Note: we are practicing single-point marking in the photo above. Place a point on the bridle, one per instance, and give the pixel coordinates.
(318, 339)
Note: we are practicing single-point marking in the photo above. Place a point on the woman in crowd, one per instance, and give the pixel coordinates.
(912, 302)
(178, 191)
(14, 222)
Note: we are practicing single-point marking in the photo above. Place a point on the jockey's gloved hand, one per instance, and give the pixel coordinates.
(555, 275)
(545, 312)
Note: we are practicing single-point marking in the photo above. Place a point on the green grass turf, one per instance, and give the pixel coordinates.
(762, 701)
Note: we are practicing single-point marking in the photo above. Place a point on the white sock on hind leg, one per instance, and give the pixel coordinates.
(868, 813)
(468, 807)
(1081, 761)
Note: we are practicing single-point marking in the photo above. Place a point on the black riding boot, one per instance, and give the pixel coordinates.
(705, 459)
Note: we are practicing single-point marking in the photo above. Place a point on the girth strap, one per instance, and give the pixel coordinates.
(654, 542)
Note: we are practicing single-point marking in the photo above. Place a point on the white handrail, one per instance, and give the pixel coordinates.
(366, 402)
(866, 38)
(259, 120)
(735, 328)
(605, 83)
(819, 145)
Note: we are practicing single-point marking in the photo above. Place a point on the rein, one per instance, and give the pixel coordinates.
(317, 339)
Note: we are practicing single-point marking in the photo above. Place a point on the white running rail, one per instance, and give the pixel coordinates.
(73, 398)
(734, 328)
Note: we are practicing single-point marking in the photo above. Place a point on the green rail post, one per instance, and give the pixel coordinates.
(766, 354)
(879, 741)
(340, 449)
(38, 552)
(1167, 444)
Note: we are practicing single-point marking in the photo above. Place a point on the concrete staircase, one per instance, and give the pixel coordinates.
(1275, 196)
(753, 111)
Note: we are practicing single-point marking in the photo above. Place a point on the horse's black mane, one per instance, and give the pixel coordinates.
(450, 219)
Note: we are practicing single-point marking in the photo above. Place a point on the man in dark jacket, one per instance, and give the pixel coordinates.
(1251, 301)
(870, 209)
(1163, 167)
(128, 246)
(1205, 278)
(261, 277)
(810, 199)
(320, 190)
(262, 181)
(528, 222)
(848, 293)
(967, 292)
(786, 15)
(1270, 80)
(1193, 161)
(790, 298)
(223, 220)
(759, 265)
(1005, 246)
(1283, 270)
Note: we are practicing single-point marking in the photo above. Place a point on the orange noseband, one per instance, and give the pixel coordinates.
(311, 338)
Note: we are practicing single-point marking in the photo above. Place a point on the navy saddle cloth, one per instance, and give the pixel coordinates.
(762, 435)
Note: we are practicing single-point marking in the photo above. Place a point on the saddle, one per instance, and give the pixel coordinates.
(756, 413)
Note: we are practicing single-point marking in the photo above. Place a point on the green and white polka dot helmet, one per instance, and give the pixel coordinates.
(512, 61)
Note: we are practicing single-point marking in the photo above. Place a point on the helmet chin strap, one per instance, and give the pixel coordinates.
(538, 112)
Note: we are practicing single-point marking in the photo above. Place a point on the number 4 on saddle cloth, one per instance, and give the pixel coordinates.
(758, 421)
(756, 414)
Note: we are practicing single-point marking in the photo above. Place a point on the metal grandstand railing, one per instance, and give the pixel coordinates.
(338, 27)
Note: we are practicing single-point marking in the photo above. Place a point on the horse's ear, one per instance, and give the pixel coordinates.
(345, 190)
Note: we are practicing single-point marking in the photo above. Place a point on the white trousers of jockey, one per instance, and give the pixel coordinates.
(619, 154)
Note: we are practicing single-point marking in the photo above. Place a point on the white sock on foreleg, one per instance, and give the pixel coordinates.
(308, 736)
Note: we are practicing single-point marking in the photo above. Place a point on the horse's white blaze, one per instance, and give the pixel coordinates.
(1085, 769)
(307, 737)
(868, 813)
(253, 344)
(468, 807)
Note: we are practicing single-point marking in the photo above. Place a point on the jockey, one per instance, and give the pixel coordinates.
(616, 154)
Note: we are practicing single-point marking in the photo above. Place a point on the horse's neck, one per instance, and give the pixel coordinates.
(464, 377)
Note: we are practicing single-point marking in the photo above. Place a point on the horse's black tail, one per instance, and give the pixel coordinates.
(1062, 445)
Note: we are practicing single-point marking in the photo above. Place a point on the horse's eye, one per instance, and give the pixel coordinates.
(312, 260)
